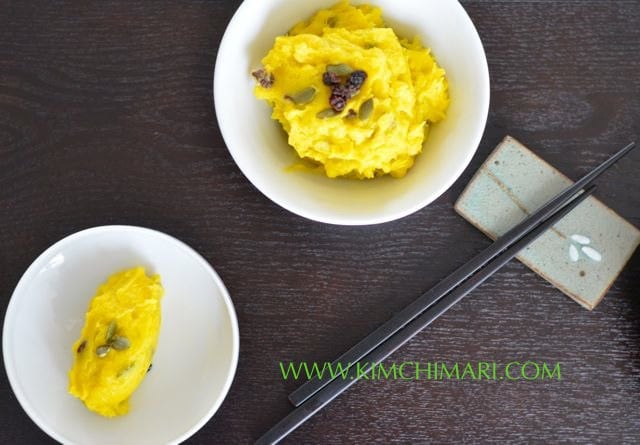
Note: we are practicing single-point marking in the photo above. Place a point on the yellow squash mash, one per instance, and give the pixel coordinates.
(117, 342)
(406, 89)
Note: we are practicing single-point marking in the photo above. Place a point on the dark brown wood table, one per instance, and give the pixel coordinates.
(106, 117)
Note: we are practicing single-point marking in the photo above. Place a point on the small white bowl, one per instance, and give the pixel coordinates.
(197, 350)
(259, 146)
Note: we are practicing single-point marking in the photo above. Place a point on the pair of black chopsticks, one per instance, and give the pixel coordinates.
(381, 343)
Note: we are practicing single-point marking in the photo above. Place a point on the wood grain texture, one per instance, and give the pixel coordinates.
(106, 117)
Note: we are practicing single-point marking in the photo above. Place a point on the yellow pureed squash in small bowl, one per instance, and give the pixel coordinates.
(407, 89)
(117, 343)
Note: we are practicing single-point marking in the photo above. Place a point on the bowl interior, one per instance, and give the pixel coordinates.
(197, 350)
(259, 145)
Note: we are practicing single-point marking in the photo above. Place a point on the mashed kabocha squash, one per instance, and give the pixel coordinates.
(117, 343)
(355, 99)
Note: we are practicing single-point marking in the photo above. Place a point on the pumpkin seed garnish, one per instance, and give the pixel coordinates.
(341, 69)
(81, 347)
(327, 112)
(120, 343)
(365, 110)
(117, 342)
(102, 351)
(303, 96)
(111, 331)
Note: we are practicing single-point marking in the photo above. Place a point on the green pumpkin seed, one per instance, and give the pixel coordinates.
(366, 109)
(340, 69)
(302, 97)
(111, 331)
(102, 351)
(120, 343)
(327, 112)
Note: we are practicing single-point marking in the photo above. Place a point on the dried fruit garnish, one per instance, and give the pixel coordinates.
(264, 78)
(338, 102)
(331, 79)
(342, 92)
(356, 79)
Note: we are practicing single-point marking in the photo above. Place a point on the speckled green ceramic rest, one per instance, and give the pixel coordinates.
(581, 255)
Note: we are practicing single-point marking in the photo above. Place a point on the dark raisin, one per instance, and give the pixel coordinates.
(330, 79)
(342, 91)
(356, 79)
(264, 78)
(337, 102)
(352, 90)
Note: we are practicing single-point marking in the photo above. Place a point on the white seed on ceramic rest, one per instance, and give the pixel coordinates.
(574, 255)
(581, 239)
(592, 253)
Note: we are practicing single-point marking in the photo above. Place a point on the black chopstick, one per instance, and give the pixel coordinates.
(336, 387)
(430, 297)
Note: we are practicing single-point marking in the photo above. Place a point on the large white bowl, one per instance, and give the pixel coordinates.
(197, 351)
(259, 146)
